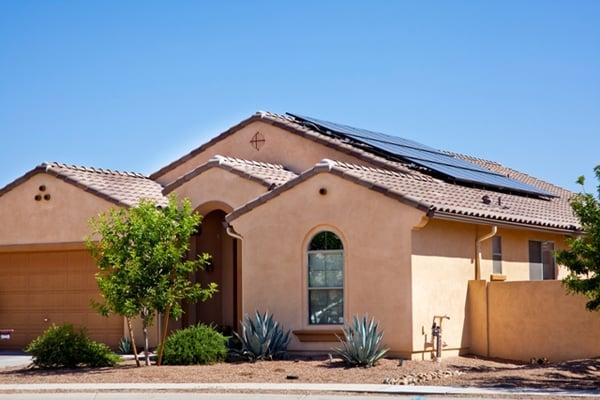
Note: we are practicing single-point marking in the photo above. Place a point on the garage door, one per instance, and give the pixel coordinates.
(41, 288)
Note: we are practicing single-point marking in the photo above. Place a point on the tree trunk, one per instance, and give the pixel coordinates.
(146, 350)
(145, 329)
(131, 336)
(165, 326)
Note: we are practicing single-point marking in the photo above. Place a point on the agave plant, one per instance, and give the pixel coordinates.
(125, 345)
(361, 345)
(261, 338)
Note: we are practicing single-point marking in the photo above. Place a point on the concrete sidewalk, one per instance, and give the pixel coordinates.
(289, 387)
(13, 358)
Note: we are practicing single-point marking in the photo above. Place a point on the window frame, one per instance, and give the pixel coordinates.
(307, 287)
(497, 255)
(542, 243)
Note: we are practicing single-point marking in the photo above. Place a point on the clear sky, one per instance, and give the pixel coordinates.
(133, 85)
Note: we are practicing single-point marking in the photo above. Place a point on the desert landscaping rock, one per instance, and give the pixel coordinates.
(421, 378)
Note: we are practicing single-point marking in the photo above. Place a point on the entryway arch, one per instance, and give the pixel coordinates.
(223, 308)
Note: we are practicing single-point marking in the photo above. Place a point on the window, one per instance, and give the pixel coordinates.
(325, 279)
(497, 255)
(541, 260)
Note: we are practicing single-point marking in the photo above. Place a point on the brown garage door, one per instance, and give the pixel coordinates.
(41, 288)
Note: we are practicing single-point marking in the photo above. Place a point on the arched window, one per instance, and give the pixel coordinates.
(325, 279)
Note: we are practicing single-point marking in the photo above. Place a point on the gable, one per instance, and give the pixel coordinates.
(345, 204)
(63, 218)
(280, 146)
(219, 186)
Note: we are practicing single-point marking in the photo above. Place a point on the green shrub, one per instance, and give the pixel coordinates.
(62, 346)
(199, 344)
(361, 345)
(261, 339)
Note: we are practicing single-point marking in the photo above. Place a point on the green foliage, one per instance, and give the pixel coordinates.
(199, 344)
(361, 346)
(582, 258)
(262, 338)
(61, 346)
(142, 257)
(125, 346)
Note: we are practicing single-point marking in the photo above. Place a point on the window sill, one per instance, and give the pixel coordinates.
(497, 278)
(321, 335)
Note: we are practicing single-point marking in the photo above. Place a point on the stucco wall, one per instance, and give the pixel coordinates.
(515, 252)
(443, 257)
(376, 232)
(534, 319)
(443, 262)
(217, 188)
(62, 219)
(280, 147)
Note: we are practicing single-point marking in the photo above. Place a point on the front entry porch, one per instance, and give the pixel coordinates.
(224, 308)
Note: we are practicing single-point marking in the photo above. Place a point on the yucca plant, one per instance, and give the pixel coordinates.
(361, 344)
(125, 345)
(261, 338)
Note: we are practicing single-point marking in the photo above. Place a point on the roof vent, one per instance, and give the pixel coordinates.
(486, 199)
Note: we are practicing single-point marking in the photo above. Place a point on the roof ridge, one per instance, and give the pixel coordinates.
(470, 157)
(263, 164)
(82, 168)
(368, 168)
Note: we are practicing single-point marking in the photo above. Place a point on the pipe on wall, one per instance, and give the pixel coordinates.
(478, 257)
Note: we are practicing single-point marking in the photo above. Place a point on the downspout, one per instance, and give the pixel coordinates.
(480, 240)
(231, 232)
(237, 310)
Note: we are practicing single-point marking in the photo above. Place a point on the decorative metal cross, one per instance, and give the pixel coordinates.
(257, 141)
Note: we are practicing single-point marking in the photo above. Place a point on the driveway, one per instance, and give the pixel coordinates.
(9, 358)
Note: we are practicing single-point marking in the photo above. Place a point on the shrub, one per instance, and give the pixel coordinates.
(199, 344)
(125, 346)
(361, 345)
(261, 338)
(62, 346)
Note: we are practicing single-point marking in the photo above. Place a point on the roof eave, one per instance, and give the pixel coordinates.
(212, 163)
(449, 216)
(325, 167)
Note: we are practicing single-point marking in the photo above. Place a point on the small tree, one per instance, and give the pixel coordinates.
(141, 254)
(582, 258)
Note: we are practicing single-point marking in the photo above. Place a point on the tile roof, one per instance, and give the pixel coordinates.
(290, 125)
(269, 175)
(122, 188)
(442, 199)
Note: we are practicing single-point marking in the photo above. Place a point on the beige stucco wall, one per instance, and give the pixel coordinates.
(515, 252)
(280, 147)
(443, 262)
(62, 219)
(376, 232)
(534, 319)
(443, 257)
(217, 188)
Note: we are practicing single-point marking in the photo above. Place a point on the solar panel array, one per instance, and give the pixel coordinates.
(442, 163)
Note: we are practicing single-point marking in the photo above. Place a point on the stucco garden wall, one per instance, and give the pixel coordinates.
(535, 319)
(443, 262)
(376, 233)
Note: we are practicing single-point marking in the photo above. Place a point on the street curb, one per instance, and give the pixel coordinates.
(285, 387)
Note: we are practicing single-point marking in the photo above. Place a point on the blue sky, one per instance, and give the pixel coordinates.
(133, 85)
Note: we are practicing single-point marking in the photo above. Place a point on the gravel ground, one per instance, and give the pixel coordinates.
(573, 375)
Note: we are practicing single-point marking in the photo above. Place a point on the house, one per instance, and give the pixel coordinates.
(311, 220)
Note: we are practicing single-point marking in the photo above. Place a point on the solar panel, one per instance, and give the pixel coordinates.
(425, 156)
